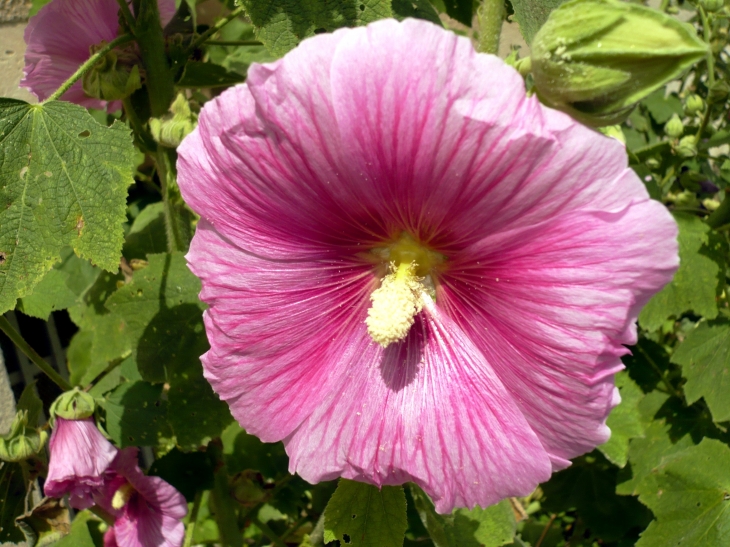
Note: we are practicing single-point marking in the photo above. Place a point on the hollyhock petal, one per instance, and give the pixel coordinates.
(110, 538)
(79, 459)
(430, 410)
(578, 282)
(277, 329)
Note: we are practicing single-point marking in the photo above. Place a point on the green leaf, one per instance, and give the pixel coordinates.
(282, 24)
(624, 421)
(147, 234)
(417, 9)
(532, 14)
(30, 401)
(705, 359)
(159, 303)
(61, 287)
(80, 536)
(12, 500)
(197, 74)
(243, 451)
(461, 10)
(695, 285)
(136, 414)
(64, 182)
(188, 472)
(662, 107)
(692, 499)
(360, 515)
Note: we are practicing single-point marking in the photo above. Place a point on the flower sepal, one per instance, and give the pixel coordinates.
(21, 442)
(595, 59)
(114, 77)
(172, 128)
(73, 405)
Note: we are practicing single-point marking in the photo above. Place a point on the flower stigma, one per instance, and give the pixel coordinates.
(122, 495)
(399, 298)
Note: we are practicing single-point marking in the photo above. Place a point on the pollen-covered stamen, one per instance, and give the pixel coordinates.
(122, 495)
(395, 304)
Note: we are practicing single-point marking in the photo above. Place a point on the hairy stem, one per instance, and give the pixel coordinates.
(490, 15)
(127, 14)
(160, 83)
(23, 346)
(190, 530)
(177, 216)
(90, 62)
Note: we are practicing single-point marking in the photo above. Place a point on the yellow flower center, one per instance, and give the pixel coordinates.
(399, 298)
(122, 495)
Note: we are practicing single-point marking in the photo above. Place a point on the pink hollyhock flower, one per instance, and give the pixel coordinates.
(80, 457)
(58, 40)
(148, 510)
(414, 272)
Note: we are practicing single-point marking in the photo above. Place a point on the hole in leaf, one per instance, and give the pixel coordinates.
(3, 256)
(85, 133)
(320, 30)
(346, 537)
(354, 516)
(362, 7)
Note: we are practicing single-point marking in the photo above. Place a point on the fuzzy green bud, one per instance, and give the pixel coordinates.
(595, 59)
(718, 92)
(21, 442)
(114, 77)
(694, 104)
(687, 147)
(712, 5)
(73, 405)
(172, 128)
(674, 128)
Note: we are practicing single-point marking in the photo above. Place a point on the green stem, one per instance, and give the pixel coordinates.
(268, 532)
(23, 346)
(491, 16)
(112, 365)
(90, 62)
(127, 14)
(160, 83)
(177, 221)
(721, 215)
(190, 531)
(663, 6)
(707, 34)
(671, 389)
(215, 28)
(233, 43)
(140, 131)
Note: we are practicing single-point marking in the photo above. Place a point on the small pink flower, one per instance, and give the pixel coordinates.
(58, 40)
(148, 510)
(80, 458)
(414, 272)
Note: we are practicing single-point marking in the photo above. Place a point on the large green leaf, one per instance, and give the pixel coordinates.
(491, 527)
(164, 320)
(624, 421)
(705, 359)
(361, 515)
(136, 414)
(691, 502)
(63, 181)
(282, 24)
(695, 285)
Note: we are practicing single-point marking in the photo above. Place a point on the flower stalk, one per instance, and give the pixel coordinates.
(160, 83)
(490, 15)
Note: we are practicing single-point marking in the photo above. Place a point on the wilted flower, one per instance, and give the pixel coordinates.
(148, 510)
(80, 457)
(63, 35)
(414, 272)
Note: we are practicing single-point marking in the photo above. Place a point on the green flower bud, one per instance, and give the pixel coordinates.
(718, 92)
(687, 147)
(674, 127)
(172, 128)
(73, 405)
(595, 59)
(694, 104)
(712, 5)
(21, 443)
(114, 77)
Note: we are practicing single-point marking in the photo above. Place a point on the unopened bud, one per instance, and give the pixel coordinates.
(172, 128)
(674, 128)
(718, 91)
(73, 405)
(21, 442)
(114, 77)
(591, 58)
(687, 147)
(712, 5)
(694, 104)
